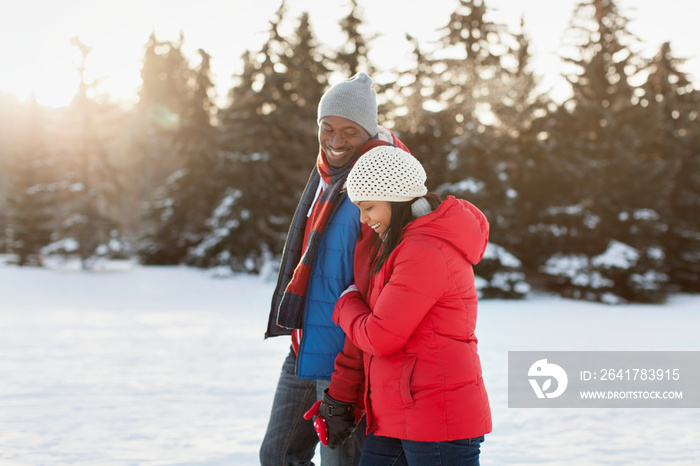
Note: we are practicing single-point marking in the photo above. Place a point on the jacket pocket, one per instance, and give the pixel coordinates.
(409, 363)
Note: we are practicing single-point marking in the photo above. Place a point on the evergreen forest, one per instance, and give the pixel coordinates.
(596, 197)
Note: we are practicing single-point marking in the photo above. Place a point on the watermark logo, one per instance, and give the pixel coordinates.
(603, 379)
(546, 372)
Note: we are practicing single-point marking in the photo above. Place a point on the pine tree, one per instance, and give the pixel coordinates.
(30, 173)
(307, 77)
(88, 201)
(191, 191)
(461, 109)
(156, 122)
(488, 91)
(440, 101)
(520, 104)
(671, 135)
(413, 111)
(354, 54)
(604, 206)
(520, 154)
(269, 145)
(465, 85)
(683, 238)
(9, 109)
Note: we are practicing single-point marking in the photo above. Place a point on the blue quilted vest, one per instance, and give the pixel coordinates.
(331, 274)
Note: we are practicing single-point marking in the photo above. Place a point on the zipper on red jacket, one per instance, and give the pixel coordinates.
(371, 427)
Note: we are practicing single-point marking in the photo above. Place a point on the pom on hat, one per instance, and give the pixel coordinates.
(420, 207)
(386, 173)
(353, 99)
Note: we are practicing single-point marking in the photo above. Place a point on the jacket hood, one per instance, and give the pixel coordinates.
(457, 222)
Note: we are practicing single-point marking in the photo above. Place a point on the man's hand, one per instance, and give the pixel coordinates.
(334, 420)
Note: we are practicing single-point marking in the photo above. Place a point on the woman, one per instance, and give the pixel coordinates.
(424, 394)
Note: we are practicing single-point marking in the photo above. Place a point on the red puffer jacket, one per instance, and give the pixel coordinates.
(422, 371)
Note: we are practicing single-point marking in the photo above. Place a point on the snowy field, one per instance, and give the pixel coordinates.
(167, 366)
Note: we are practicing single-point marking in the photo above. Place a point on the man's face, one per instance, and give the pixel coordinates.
(341, 139)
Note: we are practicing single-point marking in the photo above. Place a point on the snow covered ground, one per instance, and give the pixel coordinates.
(168, 366)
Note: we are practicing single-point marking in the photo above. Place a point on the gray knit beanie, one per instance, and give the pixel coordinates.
(386, 173)
(353, 99)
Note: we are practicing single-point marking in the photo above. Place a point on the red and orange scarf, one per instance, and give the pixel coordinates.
(290, 311)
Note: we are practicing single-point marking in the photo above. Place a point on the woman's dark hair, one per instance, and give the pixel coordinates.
(401, 215)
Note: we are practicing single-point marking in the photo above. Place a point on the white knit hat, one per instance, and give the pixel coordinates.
(386, 173)
(353, 99)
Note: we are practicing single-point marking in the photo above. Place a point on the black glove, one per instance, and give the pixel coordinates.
(339, 417)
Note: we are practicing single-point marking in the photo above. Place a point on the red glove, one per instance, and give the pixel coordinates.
(334, 420)
(319, 423)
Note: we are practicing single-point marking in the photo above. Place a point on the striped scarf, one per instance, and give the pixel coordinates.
(291, 308)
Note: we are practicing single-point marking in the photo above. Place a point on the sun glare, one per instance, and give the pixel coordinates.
(52, 76)
(53, 81)
(38, 58)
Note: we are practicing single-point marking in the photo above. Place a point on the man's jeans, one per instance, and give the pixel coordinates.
(290, 439)
(387, 451)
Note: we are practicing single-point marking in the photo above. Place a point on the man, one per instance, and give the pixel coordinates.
(316, 267)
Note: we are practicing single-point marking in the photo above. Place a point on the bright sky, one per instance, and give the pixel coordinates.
(37, 56)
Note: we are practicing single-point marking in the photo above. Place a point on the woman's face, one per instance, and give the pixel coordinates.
(376, 214)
